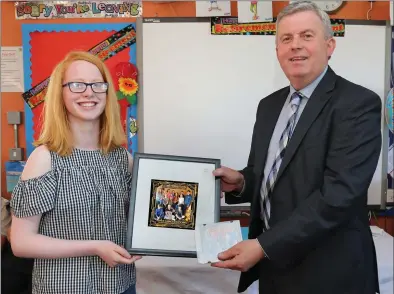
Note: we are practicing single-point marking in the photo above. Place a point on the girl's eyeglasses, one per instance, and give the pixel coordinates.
(80, 87)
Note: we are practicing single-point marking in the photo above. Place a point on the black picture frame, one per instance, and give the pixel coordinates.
(138, 157)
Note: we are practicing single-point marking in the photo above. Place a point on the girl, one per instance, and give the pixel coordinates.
(70, 205)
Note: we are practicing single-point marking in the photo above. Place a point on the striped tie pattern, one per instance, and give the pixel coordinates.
(295, 100)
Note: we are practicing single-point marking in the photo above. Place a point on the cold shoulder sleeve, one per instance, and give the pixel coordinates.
(34, 196)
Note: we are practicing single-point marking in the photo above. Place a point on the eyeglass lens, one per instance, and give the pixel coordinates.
(79, 87)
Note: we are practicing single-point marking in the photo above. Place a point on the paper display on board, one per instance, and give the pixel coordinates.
(213, 8)
(211, 239)
(221, 25)
(12, 69)
(254, 11)
(104, 50)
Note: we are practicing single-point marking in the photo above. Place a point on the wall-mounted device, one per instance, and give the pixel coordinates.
(15, 118)
(329, 6)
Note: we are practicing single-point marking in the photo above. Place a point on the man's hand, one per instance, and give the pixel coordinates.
(231, 180)
(241, 257)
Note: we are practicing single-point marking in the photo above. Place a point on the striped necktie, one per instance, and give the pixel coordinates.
(268, 187)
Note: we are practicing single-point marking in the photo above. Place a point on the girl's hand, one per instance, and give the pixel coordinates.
(114, 254)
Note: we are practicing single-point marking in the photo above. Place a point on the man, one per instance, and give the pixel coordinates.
(314, 150)
(16, 273)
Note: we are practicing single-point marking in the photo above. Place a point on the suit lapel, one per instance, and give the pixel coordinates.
(316, 102)
(270, 114)
(270, 117)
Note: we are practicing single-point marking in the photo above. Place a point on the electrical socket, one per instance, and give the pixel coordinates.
(14, 117)
(390, 196)
(16, 154)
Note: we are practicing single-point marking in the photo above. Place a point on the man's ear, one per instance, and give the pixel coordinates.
(331, 45)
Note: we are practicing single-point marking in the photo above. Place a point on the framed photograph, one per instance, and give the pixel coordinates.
(171, 196)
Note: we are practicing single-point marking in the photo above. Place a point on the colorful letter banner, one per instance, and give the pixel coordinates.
(81, 9)
(231, 26)
(104, 50)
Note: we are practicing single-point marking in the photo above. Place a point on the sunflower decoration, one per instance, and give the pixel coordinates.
(128, 88)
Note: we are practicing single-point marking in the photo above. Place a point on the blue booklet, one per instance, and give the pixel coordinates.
(211, 239)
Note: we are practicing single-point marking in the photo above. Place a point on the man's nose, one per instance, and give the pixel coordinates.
(296, 43)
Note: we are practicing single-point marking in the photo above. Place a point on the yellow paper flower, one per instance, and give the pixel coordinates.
(128, 86)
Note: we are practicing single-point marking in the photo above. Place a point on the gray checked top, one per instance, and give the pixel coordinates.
(85, 196)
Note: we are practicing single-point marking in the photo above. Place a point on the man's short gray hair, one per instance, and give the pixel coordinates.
(299, 6)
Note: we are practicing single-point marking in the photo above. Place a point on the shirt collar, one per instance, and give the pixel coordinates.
(308, 90)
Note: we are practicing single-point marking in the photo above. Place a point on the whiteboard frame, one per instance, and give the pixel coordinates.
(385, 131)
(387, 74)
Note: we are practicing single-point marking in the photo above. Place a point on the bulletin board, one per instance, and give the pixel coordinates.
(44, 45)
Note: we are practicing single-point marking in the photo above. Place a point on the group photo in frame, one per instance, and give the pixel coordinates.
(170, 196)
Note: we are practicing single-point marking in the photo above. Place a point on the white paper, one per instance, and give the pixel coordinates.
(213, 238)
(254, 11)
(213, 8)
(11, 69)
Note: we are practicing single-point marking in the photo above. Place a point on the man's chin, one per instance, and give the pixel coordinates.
(298, 73)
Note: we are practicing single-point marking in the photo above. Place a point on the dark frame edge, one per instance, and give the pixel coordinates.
(218, 191)
(130, 218)
(175, 19)
(162, 253)
(143, 155)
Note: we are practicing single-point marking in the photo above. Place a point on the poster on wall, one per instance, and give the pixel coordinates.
(11, 69)
(254, 11)
(114, 43)
(79, 9)
(104, 50)
(231, 26)
(13, 171)
(213, 8)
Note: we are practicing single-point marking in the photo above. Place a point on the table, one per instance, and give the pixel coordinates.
(157, 275)
(183, 275)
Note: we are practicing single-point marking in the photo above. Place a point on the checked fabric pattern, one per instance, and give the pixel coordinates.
(295, 100)
(85, 196)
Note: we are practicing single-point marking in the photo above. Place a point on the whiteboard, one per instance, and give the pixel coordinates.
(201, 91)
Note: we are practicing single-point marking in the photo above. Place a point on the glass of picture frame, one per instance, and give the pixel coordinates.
(170, 196)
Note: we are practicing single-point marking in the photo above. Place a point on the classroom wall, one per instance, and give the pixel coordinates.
(11, 36)
(350, 10)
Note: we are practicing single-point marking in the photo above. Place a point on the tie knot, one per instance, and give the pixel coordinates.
(295, 99)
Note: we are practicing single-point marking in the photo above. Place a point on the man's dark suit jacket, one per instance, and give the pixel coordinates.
(319, 241)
